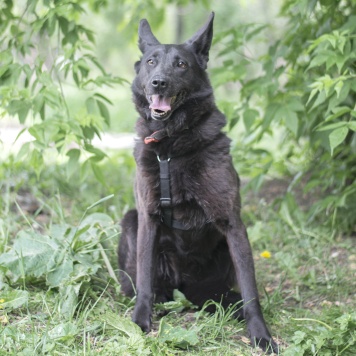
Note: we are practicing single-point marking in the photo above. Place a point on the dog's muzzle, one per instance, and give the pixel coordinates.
(161, 106)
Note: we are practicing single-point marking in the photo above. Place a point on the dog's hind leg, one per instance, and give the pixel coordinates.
(127, 253)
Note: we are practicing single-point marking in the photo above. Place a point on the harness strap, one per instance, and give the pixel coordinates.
(166, 201)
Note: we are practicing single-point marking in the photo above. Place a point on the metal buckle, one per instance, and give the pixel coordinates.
(166, 202)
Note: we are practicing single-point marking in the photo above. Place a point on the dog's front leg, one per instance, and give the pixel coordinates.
(241, 254)
(147, 239)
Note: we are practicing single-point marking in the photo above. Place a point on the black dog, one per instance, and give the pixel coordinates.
(186, 233)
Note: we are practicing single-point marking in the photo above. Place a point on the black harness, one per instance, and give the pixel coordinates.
(166, 201)
(165, 184)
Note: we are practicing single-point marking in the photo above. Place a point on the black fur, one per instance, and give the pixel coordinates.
(214, 255)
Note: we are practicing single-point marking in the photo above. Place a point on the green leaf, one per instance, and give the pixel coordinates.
(88, 132)
(286, 112)
(37, 132)
(299, 337)
(38, 103)
(352, 125)
(97, 64)
(249, 117)
(339, 111)
(36, 160)
(71, 37)
(68, 299)
(98, 154)
(83, 68)
(179, 303)
(337, 136)
(312, 94)
(55, 260)
(291, 120)
(270, 114)
(347, 321)
(319, 100)
(122, 324)
(177, 336)
(11, 75)
(333, 126)
(338, 87)
(60, 268)
(24, 151)
(52, 22)
(317, 61)
(45, 79)
(19, 107)
(295, 104)
(339, 98)
(29, 255)
(104, 98)
(90, 104)
(52, 97)
(63, 24)
(63, 332)
(28, 72)
(73, 163)
(98, 172)
(104, 112)
(13, 299)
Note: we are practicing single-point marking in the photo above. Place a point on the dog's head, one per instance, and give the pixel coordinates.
(168, 75)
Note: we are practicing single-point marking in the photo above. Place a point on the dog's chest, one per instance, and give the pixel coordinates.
(201, 186)
(188, 198)
(185, 186)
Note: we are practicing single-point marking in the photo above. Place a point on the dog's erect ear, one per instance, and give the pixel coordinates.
(201, 42)
(145, 36)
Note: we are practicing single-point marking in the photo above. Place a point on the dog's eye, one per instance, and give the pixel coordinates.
(150, 62)
(182, 65)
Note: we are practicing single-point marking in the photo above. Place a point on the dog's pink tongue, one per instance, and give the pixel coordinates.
(160, 102)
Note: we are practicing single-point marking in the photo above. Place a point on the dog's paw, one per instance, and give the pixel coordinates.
(142, 318)
(267, 345)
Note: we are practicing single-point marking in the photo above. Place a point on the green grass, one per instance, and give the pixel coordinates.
(61, 297)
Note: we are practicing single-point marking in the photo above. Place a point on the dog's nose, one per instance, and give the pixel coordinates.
(159, 83)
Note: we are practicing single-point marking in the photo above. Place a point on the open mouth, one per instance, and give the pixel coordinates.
(161, 106)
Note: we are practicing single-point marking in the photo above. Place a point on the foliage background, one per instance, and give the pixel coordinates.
(284, 75)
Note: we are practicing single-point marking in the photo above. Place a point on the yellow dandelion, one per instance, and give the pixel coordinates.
(266, 254)
(2, 300)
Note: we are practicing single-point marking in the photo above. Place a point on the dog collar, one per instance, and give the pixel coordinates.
(156, 136)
